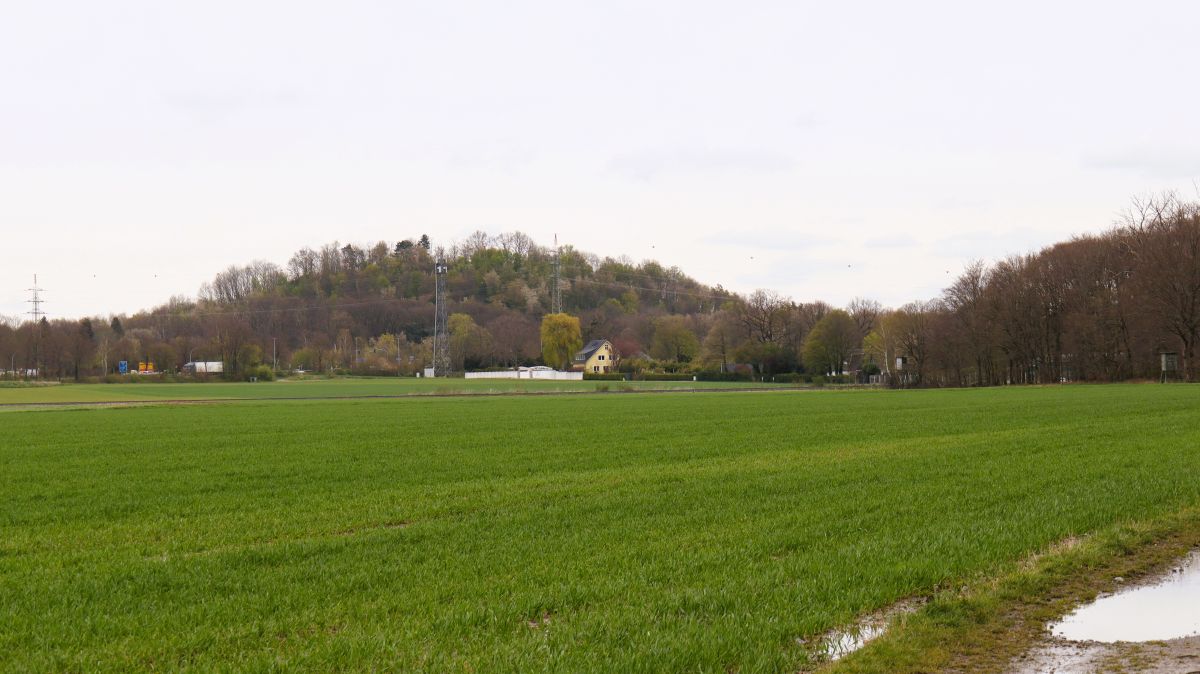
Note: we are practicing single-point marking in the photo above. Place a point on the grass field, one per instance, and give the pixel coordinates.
(347, 387)
(640, 532)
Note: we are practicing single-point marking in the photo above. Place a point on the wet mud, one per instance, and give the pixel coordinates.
(1150, 626)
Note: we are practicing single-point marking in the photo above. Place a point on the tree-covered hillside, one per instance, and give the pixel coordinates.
(1102, 307)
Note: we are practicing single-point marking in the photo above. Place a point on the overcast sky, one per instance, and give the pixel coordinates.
(826, 150)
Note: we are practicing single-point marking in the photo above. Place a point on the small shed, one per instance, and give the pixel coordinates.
(1169, 366)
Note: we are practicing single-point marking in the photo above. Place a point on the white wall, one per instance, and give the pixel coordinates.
(555, 374)
(526, 374)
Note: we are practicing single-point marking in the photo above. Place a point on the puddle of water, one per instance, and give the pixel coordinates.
(1167, 609)
(837, 644)
(840, 643)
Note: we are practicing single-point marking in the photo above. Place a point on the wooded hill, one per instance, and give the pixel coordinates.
(1102, 307)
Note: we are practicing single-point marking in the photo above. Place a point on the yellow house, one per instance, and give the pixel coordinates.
(598, 356)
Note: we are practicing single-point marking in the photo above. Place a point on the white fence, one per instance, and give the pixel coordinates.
(527, 373)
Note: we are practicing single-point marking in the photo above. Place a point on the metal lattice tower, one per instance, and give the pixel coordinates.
(441, 339)
(36, 300)
(556, 290)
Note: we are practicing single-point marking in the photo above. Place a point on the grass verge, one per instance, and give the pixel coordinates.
(985, 625)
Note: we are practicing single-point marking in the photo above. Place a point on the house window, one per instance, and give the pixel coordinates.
(601, 357)
(595, 368)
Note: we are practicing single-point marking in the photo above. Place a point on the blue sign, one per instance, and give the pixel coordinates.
(123, 367)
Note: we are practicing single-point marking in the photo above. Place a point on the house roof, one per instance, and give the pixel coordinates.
(593, 346)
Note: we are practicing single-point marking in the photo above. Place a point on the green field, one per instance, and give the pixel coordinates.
(643, 532)
(346, 387)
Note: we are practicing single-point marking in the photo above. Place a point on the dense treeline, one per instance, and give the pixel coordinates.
(1098, 308)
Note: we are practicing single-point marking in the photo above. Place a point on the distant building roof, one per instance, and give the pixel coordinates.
(587, 351)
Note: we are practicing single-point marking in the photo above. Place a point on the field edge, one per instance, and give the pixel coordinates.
(987, 624)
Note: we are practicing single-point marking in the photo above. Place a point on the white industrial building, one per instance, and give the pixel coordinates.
(204, 367)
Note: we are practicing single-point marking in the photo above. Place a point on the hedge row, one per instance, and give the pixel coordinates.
(604, 376)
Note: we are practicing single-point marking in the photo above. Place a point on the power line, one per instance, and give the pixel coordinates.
(384, 300)
(617, 284)
(311, 307)
(650, 277)
(556, 292)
